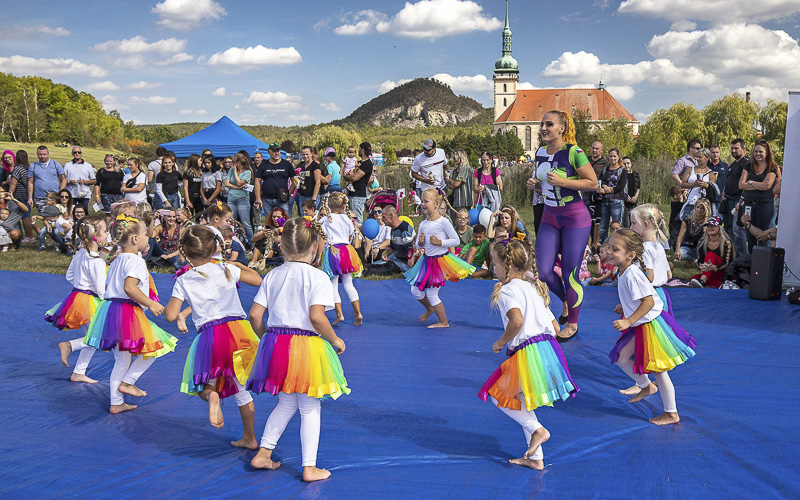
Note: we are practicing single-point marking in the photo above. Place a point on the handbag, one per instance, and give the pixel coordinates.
(283, 195)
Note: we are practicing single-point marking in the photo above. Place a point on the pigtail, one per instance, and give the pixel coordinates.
(638, 260)
(221, 244)
(494, 300)
(326, 208)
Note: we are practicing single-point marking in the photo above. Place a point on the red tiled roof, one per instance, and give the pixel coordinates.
(531, 105)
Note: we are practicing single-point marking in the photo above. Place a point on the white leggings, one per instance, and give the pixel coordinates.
(124, 371)
(310, 422)
(84, 357)
(349, 288)
(529, 423)
(242, 397)
(431, 293)
(665, 387)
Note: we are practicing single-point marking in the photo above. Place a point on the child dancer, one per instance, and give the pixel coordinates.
(217, 215)
(536, 371)
(436, 234)
(296, 358)
(651, 340)
(120, 323)
(87, 273)
(222, 329)
(340, 258)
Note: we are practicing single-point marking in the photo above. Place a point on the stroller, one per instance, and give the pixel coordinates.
(382, 199)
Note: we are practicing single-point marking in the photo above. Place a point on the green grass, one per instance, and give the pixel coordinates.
(94, 156)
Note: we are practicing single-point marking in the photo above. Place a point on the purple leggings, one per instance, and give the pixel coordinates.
(563, 230)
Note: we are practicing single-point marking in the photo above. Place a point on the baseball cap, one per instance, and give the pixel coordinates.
(330, 151)
(274, 147)
(714, 220)
(428, 144)
(49, 211)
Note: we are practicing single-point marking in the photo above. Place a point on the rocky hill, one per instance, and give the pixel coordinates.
(420, 102)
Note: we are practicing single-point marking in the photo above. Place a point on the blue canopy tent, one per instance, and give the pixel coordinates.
(223, 138)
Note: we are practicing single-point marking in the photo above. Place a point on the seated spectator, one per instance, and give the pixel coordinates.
(167, 235)
(56, 226)
(463, 229)
(613, 228)
(760, 235)
(11, 223)
(372, 248)
(399, 248)
(183, 215)
(606, 273)
(5, 239)
(691, 232)
(266, 242)
(584, 273)
(65, 203)
(715, 253)
(507, 218)
(233, 251)
(476, 252)
(309, 208)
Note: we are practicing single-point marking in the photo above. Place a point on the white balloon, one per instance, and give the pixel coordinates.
(484, 217)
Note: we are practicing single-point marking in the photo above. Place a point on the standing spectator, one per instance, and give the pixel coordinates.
(310, 178)
(592, 200)
(700, 180)
(273, 190)
(684, 163)
(44, 176)
(632, 191)
(460, 182)
(227, 166)
(691, 231)
(212, 180)
(135, 182)
(731, 195)
(153, 168)
(401, 241)
(108, 189)
(613, 189)
(757, 183)
(488, 184)
(360, 178)
(193, 184)
(239, 177)
(80, 177)
(428, 167)
(718, 166)
(167, 183)
(334, 172)
(257, 159)
(19, 189)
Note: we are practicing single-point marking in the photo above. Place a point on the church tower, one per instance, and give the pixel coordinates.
(506, 75)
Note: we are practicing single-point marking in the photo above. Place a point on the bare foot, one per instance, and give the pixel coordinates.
(132, 390)
(313, 474)
(630, 391)
(263, 460)
(426, 315)
(215, 411)
(358, 321)
(666, 418)
(76, 377)
(439, 325)
(338, 320)
(243, 443)
(643, 393)
(121, 408)
(538, 438)
(65, 349)
(527, 462)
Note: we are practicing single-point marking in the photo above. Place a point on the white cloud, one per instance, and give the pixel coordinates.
(430, 19)
(155, 99)
(600, 4)
(137, 52)
(642, 117)
(390, 84)
(239, 59)
(143, 85)
(761, 94)
(185, 15)
(330, 106)
(23, 65)
(237, 93)
(219, 92)
(110, 102)
(194, 112)
(710, 10)
(683, 25)
(525, 86)
(300, 119)
(477, 83)
(39, 30)
(273, 101)
(621, 92)
(107, 85)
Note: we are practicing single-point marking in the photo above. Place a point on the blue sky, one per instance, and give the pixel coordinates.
(278, 62)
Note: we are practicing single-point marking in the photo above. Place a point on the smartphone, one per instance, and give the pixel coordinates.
(747, 210)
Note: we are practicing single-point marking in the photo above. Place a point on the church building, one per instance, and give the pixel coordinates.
(521, 110)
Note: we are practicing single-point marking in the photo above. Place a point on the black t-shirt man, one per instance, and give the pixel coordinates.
(734, 174)
(360, 186)
(169, 181)
(274, 176)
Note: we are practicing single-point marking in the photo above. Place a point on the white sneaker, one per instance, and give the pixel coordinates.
(5, 249)
(697, 283)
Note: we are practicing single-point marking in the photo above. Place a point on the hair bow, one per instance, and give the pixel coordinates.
(308, 223)
(126, 218)
(182, 271)
(219, 204)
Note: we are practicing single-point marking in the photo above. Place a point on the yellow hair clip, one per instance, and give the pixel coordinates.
(219, 204)
(126, 218)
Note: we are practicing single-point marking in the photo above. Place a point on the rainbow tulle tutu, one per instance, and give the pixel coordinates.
(432, 272)
(345, 261)
(122, 323)
(74, 311)
(661, 345)
(664, 296)
(153, 291)
(536, 370)
(211, 356)
(292, 360)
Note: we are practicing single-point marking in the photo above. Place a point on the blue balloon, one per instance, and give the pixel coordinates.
(473, 216)
(371, 228)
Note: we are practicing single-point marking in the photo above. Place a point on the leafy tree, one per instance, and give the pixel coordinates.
(288, 146)
(336, 137)
(668, 130)
(160, 134)
(584, 130)
(616, 133)
(772, 122)
(389, 155)
(728, 118)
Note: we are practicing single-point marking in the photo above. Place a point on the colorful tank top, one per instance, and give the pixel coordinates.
(564, 163)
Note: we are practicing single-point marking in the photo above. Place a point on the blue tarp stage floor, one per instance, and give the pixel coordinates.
(413, 425)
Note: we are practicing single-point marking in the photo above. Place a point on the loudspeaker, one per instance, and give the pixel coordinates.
(766, 273)
(794, 296)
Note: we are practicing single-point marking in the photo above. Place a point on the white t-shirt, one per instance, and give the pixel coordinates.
(60, 229)
(141, 196)
(210, 179)
(289, 291)
(431, 166)
(88, 272)
(212, 297)
(633, 286)
(79, 172)
(155, 167)
(442, 229)
(218, 254)
(339, 230)
(538, 319)
(384, 234)
(126, 265)
(655, 259)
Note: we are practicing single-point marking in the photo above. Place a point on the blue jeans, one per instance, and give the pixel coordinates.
(357, 206)
(177, 262)
(157, 203)
(403, 266)
(84, 202)
(241, 211)
(610, 210)
(688, 253)
(269, 203)
(173, 200)
(57, 239)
